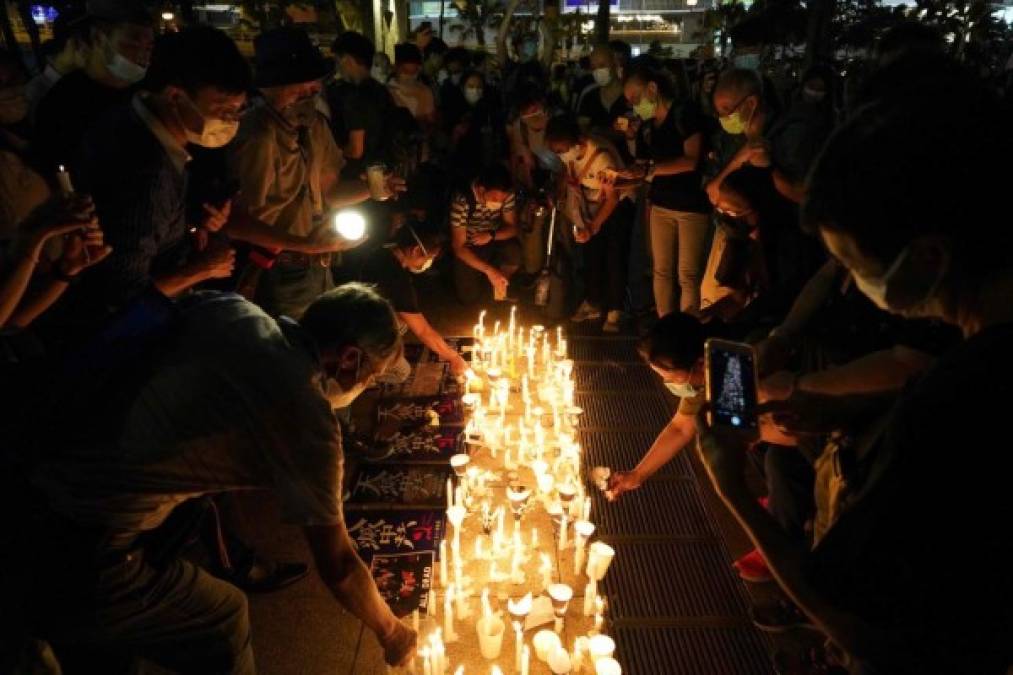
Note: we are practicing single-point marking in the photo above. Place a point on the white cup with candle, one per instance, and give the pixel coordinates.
(599, 557)
(601, 647)
(607, 666)
(544, 642)
(459, 463)
(490, 636)
(559, 661)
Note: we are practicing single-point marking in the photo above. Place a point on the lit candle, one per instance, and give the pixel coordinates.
(443, 562)
(479, 552)
(431, 605)
(599, 613)
(448, 615)
(562, 531)
(546, 570)
(526, 661)
(63, 179)
(590, 593)
(518, 646)
(450, 494)
(427, 664)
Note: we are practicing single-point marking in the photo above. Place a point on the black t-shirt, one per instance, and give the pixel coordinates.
(363, 106)
(922, 555)
(67, 112)
(664, 142)
(394, 281)
(591, 107)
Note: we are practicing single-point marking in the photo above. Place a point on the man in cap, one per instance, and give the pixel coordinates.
(119, 38)
(288, 166)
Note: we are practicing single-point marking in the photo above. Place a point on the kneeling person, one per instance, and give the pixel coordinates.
(391, 268)
(483, 225)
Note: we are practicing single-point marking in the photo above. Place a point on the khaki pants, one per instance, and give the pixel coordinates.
(679, 242)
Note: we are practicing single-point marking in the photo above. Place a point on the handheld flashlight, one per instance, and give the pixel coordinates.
(350, 225)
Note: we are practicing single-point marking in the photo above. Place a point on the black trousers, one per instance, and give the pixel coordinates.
(606, 259)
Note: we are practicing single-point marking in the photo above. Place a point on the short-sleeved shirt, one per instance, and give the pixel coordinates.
(392, 280)
(235, 402)
(466, 211)
(664, 142)
(590, 172)
(921, 553)
(279, 168)
(590, 105)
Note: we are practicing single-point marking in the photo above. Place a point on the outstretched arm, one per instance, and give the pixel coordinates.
(349, 581)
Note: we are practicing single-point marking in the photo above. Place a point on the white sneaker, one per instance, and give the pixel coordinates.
(586, 312)
(612, 321)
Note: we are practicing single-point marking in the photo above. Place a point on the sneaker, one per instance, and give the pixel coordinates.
(780, 618)
(586, 312)
(612, 321)
(753, 568)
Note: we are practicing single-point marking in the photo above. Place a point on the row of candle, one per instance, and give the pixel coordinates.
(540, 437)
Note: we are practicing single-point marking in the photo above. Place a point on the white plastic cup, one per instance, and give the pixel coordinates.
(490, 636)
(376, 178)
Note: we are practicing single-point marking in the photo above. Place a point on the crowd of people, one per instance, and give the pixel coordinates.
(182, 318)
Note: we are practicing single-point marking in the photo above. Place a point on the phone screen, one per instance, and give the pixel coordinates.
(733, 388)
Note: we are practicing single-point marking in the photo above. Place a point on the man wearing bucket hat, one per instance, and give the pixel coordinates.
(288, 166)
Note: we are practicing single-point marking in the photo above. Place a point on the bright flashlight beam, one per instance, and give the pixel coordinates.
(350, 225)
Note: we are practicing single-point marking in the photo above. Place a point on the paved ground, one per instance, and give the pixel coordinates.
(302, 630)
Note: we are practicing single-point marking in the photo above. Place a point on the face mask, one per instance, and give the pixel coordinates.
(13, 105)
(682, 389)
(379, 74)
(645, 109)
(602, 76)
(215, 133)
(473, 95)
(529, 50)
(877, 289)
(341, 397)
(424, 267)
(747, 61)
(494, 206)
(302, 113)
(123, 69)
(734, 124)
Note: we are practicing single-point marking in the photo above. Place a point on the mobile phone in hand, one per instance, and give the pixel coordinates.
(731, 386)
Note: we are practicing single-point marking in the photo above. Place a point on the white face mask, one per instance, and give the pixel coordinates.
(380, 74)
(602, 76)
(682, 389)
(123, 69)
(494, 206)
(340, 397)
(215, 133)
(473, 95)
(877, 289)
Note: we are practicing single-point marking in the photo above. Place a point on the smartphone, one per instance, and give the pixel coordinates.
(731, 385)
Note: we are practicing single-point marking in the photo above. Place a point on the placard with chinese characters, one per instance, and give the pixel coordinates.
(399, 485)
(404, 580)
(385, 532)
(398, 413)
(423, 444)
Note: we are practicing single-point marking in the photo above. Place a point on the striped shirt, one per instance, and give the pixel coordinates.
(475, 216)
